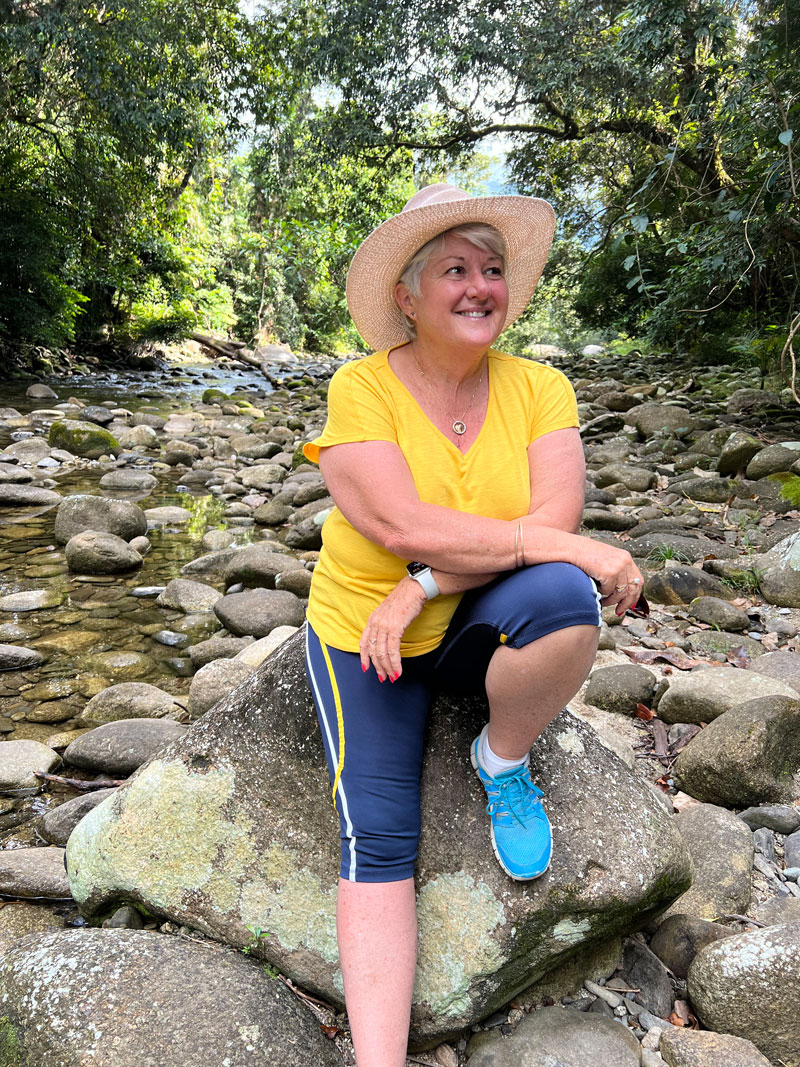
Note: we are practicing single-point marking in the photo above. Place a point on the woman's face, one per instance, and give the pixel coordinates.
(463, 296)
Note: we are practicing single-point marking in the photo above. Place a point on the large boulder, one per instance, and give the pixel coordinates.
(85, 439)
(749, 755)
(747, 986)
(259, 565)
(231, 828)
(258, 612)
(136, 998)
(703, 695)
(128, 700)
(85, 512)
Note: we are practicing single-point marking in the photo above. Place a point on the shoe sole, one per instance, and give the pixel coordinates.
(473, 757)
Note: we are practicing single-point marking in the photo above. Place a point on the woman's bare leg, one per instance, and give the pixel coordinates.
(527, 687)
(377, 927)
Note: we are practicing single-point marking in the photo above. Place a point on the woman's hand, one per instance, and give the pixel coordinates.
(618, 578)
(380, 641)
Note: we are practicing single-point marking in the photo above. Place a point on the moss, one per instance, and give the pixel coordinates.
(82, 439)
(210, 395)
(10, 1051)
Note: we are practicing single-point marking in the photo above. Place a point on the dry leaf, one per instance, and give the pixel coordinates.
(769, 642)
(643, 712)
(330, 1031)
(672, 655)
(738, 657)
(682, 801)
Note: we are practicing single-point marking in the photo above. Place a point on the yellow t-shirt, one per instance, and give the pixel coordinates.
(368, 402)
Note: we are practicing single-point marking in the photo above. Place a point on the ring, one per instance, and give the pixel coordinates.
(637, 581)
(620, 588)
(371, 644)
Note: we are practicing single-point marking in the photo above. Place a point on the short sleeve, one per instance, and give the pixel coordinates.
(555, 406)
(358, 410)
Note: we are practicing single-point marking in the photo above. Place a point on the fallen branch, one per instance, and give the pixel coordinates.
(77, 783)
(236, 350)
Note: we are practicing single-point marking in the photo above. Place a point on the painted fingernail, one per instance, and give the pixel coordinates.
(381, 678)
(395, 676)
(364, 669)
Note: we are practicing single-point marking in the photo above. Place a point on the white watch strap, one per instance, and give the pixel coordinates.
(428, 583)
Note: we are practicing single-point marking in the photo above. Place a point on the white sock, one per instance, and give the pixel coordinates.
(492, 763)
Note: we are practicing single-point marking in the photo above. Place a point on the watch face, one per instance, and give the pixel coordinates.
(417, 568)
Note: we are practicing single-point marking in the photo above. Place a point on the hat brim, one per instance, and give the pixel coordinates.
(526, 223)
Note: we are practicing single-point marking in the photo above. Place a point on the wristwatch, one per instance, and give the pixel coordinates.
(422, 573)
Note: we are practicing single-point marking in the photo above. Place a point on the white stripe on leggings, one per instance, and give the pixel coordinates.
(351, 875)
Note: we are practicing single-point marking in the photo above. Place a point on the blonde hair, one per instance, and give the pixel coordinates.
(480, 234)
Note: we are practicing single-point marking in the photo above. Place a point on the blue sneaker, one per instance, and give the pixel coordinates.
(521, 835)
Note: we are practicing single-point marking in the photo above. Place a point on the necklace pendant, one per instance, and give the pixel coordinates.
(459, 427)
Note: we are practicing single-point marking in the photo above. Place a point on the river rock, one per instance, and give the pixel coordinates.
(40, 391)
(58, 823)
(259, 565)
(307, 535)
(677, 584)
(620, 688)
(746, 986)
(18, 918)
(701, 1048)
(128, 478)
(30, 600)
(167, 516)
(215, 681)
(10, 472)
(782, 818)
(217, 648)
(257, 651)
(262, 476)
(749, 401)
(93, 552)
(256, 844)
(138, 1008)
(33, 872)
(16, 657)
(557, 1037)
(778, 573)
(643, 970)
(770, 460)
(119, 666)
(719, 613)
(210, 565)
(701, 695)
(782, 665)
(185, 595)
(137, 437)
(118, 748)
(680, 937)
(749, 755)
(85, 439)
(128, 700)
(737, 452)
(84, 512)
(259, 611)
(18, 761)
(706, 642)
(650, 419)
(722, 850)
(15, 495)
(706, 490)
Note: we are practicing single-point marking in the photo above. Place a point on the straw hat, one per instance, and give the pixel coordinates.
(527, 226)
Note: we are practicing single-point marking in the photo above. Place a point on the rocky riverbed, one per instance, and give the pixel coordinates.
(158, 533)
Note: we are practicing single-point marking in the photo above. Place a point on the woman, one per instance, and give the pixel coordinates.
(451, 559)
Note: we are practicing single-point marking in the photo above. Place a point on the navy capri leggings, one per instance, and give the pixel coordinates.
(373, 733)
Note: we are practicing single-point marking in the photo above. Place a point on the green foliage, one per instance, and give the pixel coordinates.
(662, 133)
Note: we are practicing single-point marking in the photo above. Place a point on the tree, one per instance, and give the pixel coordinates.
(664, 130)
(106, 109)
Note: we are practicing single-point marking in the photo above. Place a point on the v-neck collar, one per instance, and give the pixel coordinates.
(489, 404)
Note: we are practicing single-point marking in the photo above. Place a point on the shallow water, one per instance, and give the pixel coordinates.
(99, 632)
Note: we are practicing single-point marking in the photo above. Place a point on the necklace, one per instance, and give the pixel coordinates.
(459, 427)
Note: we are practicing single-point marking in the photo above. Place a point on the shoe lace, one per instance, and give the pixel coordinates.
(514, 796)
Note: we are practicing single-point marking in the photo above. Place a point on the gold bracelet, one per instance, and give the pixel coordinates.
(516, 547)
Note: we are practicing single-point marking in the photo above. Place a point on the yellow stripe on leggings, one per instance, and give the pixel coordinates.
(339, 719)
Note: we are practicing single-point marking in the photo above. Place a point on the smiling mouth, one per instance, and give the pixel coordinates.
(475, 314)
